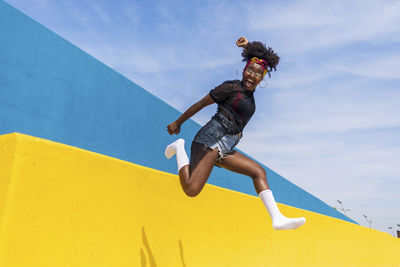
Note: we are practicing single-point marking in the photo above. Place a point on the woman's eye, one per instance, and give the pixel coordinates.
(255, 73)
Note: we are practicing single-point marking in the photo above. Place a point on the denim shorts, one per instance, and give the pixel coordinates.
(214, 135)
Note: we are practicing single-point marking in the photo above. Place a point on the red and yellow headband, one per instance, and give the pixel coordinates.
(259, 61)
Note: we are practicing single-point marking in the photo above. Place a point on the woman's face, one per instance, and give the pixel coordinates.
(252, 76)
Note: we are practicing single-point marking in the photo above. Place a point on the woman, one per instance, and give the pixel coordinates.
(215, 142)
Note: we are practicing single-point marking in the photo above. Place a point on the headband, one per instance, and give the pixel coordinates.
(259, 61)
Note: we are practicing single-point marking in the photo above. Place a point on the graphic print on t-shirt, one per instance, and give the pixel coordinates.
(236, 103)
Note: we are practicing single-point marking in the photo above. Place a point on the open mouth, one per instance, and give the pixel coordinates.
(249, 83)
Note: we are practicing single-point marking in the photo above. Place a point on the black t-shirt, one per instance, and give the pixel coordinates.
(235, 103)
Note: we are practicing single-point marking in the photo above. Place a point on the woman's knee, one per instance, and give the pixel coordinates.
(259, 172)
(193, 188)
(192, 192)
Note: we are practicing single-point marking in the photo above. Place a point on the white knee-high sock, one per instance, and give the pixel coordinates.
(279, 221)
(178, 148)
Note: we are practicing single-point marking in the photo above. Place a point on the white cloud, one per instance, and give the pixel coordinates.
(306, 25)
(43, 3)
(99, 11)
(376, 66)
(133, 14)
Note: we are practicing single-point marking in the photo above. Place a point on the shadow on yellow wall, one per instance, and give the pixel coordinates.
(150, 255)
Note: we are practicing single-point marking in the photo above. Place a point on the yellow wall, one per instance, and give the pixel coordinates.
(70, 207)
(7, 148)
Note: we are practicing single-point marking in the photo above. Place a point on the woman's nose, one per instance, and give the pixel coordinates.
(253, 74)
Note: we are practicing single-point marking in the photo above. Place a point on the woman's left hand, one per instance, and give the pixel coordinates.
(242, 42)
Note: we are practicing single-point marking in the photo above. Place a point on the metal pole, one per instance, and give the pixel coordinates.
(368, 221)
(390, 228)
(398, 231)
(340, 202)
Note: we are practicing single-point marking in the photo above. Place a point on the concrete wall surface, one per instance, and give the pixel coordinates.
(65, 206)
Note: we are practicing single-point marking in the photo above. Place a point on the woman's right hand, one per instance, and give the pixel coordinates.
(174, 128)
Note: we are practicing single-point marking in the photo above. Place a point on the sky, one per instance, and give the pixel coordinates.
(328, 119)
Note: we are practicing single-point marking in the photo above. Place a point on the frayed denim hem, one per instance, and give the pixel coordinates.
(221, 154)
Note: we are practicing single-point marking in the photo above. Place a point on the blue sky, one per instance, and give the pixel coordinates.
(329, 119)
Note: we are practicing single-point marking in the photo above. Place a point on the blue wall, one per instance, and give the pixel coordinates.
(52, 89)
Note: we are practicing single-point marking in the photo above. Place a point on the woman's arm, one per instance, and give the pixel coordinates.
(175, 127)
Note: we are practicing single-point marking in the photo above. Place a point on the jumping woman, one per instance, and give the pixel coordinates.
(215, 142)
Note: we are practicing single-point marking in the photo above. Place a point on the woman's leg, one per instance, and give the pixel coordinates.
(237, 162)
(192, 177)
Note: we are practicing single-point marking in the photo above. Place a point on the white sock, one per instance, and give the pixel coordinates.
(178, 148)
(279, 221)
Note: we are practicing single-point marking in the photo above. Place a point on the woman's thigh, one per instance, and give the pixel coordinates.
(239, 163)
(201, 164)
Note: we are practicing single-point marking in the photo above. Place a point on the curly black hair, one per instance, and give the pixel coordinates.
(258, 49)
